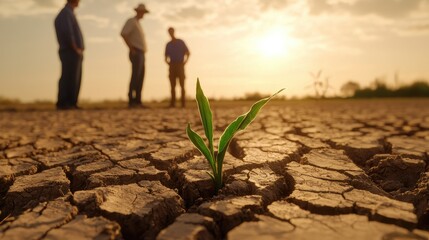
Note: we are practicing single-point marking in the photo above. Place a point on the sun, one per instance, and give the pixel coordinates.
(274, 43)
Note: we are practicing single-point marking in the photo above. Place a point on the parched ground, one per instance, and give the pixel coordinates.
(302, 170)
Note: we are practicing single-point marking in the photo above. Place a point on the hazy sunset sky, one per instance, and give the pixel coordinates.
(237, 46)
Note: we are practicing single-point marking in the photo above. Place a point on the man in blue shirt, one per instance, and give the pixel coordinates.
(176, 56)
(71, 48)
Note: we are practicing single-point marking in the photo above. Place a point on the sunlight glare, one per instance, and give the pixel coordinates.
(274, 43)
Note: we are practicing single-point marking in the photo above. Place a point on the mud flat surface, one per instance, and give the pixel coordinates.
(302, 170)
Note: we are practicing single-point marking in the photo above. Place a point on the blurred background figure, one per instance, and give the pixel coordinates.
(133, 35)
(176, 56)
(71, 48)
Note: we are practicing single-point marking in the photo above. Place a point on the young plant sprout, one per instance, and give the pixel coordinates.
(215, 158)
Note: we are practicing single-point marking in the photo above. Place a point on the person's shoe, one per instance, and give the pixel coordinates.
(62, 108)
(132, 105)
(137, 105)
(141, 105)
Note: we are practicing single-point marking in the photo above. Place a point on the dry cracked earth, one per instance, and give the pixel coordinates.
(302, 170)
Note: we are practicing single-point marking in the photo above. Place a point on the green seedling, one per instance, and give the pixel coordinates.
(215, 158)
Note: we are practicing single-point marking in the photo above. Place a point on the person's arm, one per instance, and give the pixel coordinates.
(127, 41)
(78, 50)
(70, 33)
(125, 35)
(187, 54)
(167, 59)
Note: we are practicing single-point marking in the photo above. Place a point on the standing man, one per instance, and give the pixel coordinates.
(71, 46)
(133, 35)
(176, 56)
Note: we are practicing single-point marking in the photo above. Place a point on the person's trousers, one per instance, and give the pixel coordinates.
(177, 71)
(71, 76)
(137, 76)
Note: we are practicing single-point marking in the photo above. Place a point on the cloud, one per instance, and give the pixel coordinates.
(100, 22)
(49, 3)
(383, 8)
(365, 34)
(12, 8)
(317, 7)
(99, 40)
(211, 16)
(390, 9)
(337, 21)
(123, 7)
(420, 27)
(415, 28)
(273, 4)
(188, 13)
(192, 12)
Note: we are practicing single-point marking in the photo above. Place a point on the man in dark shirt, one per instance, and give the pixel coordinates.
(71, 48)
(176, 56)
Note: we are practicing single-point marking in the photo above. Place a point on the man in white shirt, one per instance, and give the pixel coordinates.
(133, 35)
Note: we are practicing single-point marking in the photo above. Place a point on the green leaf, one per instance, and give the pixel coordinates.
(219, 175)
(199, 143)
(205, 114)
(225, 139)
(211, 176)
(229, 133)
(254, 110)
(239, 124)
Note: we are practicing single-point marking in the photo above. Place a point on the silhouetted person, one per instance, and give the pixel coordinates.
(133, 35)
(176, 56)
(71, 46)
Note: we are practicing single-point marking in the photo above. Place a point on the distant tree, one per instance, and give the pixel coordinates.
(349, 88)
(4, 100)
(379, 89)
(254, 96)
(378, 83)
(420, 88)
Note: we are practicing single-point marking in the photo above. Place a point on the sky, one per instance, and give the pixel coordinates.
(237, 46)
